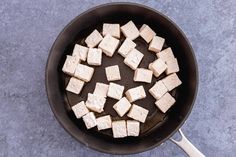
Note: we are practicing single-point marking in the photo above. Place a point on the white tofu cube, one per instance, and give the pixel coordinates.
(84, 72)
(172, 66)
(119, 129)
(143, 75)
(136, 93)
(75, 85)
(130, 30)
(122, 106)
(113, 73)
(80, 109)
(104, 122)
(146, 33)
(165, 102)
(95, 102)
(94, 56)
(172, 81)
(166, 54)
(93, 39)
(112, 29)
(126, 47)
(158, 67)
(158, 90)
(156, 44)
(133, 59)
(138, 113)
(70, 65)
(80, 51)
(133, 127)
(101, 89)
(90, 120)
(115, 91)
(108, 45)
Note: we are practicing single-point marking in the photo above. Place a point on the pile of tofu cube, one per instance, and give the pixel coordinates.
(107, 43)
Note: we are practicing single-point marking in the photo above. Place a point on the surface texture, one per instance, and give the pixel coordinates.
(29, 28)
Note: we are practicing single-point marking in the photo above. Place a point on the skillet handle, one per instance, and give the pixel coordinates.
(187, 146)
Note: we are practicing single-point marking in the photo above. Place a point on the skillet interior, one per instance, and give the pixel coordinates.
(158, 126)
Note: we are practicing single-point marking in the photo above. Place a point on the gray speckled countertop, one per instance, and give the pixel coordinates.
(28, 29)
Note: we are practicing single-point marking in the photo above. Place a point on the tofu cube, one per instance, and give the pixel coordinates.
(158, 90)
(95, 102)
(80, 109)
(112, 29)
(113, 73)
(119, 129)
(133, 59)
(90, 120)
(70, 65)
(122, 106)
(94, 56)
(136, 93)
(115, 91)
(158, 67)
(165, 102)
(143, 75)
(84, 72)
(93, 39)
(138, 113)
(156, 44)
(108, 45)
(101, 89)
(126, 47)
(104, 122)
(146, 33)
(130, 30)
(166, 54)
(80, 52)
(172, 81)
(172, 66)
(133, 127)
(75, 85)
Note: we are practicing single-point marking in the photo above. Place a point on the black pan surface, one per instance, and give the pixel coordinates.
(158, 126)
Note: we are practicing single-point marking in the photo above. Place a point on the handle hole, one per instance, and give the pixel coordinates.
(177, 136)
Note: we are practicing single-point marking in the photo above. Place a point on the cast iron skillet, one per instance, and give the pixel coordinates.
(158, 127)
